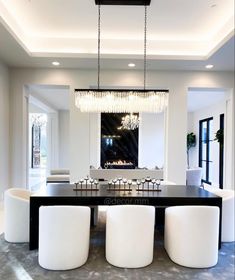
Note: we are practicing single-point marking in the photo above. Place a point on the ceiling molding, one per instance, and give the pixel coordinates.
(12, 27)
(158, 48)
(221, 38)
(38, 48)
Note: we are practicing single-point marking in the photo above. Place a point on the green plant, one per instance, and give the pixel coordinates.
(191, 142)
(219, 136)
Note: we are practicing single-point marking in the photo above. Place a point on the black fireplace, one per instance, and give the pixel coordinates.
(119, 147)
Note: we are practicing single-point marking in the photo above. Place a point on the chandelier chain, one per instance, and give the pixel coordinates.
(145, 45)
(98, 77)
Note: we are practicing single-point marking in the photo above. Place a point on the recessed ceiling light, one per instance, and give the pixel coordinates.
(131, 64)
(55, 63)
(209, 66)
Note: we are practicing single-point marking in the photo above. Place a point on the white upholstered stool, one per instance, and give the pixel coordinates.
(130, 235)
(16, 215)
(191, 235)
(194, 176)
(64, 234)
(228, 202)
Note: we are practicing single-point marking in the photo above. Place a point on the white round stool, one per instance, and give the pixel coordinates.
(191, 235)
(130, 235)
(64, 234)
(228, 226)
(16, 215)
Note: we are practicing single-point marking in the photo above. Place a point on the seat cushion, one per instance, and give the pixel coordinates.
(59, 172)
(58, 178)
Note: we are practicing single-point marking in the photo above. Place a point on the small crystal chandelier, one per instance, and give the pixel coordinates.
(38, 119)
(130, 122)
(123, 100)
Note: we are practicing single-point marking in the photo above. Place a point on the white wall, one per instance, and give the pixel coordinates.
(151, 140)
(4, 128)
(64, 139)
(214, 112)
(190, 122)
(176, 116)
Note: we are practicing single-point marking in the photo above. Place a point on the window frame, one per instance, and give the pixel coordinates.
(208, 141)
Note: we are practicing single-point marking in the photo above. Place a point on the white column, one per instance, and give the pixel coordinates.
(52, 141)
(79, 142)
(229, 143)
(95, 141)
(175, 136)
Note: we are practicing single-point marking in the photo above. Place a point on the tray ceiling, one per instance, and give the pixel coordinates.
(179, 29)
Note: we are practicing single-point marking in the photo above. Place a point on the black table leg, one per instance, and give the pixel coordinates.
(33, 224)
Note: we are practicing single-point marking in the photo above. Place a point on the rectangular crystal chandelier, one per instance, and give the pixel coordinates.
(121, 101)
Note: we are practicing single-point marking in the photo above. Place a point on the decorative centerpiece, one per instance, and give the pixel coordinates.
(89, 185)
(120, 184)
(148, 184)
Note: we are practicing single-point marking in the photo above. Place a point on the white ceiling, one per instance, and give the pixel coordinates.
(182, 34)
(199, 99)
(54, 97)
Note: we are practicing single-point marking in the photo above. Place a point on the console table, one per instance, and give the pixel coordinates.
(130, 174)
(63, 194)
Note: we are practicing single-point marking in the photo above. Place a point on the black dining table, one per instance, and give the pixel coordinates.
(169, 195)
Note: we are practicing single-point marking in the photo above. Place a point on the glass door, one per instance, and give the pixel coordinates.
(205, 148)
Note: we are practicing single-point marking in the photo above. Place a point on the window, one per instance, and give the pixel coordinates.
(205, 148)
(109, 141)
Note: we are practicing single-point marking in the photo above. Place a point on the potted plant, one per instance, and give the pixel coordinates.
(191, 142)
(219, 136)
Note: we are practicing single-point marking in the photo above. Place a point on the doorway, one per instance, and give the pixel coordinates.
(37, 148)
(48, 132)
(207, 115)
